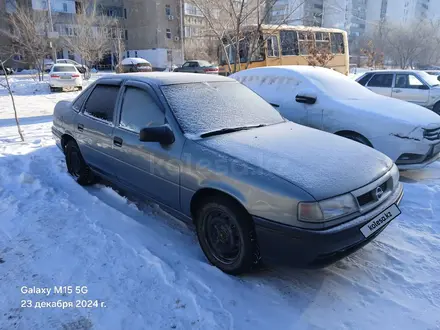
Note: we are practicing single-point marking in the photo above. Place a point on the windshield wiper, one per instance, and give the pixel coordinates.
(229, 130)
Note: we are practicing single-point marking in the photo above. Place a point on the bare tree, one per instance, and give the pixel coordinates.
(118, 43)
(375, 57)
(7, 86)
(28, 32)
(91, 36)
(236, 25)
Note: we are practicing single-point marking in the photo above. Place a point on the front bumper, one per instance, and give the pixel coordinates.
(287, 245)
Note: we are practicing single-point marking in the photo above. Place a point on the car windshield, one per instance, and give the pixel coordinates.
(206, 107)
(429, 79)
(204, 63)
(338, 86)
(64, 68)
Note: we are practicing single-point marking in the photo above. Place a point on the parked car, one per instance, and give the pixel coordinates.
(64, 75)
(434, 73)
(83, 69)
(408, 85)
(197, 66)
(134, 64)
(213, 153)
(9, 71)
(327, 100)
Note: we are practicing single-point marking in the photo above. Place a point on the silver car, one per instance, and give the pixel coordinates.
(413, 86)
(213, 153)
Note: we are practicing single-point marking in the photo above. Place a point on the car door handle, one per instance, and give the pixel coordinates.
(80, 127)
(117, 141)
(397, 91)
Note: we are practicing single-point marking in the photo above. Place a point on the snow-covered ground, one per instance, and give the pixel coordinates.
(149, 272)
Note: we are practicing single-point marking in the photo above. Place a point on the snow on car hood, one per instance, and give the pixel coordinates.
(396, 109)
(322, 164)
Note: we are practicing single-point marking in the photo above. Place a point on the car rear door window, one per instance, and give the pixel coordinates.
(365, 79)
(102, 101)
(381, 80)
(140, 110)
(77, 104)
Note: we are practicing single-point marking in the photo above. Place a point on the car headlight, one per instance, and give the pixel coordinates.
(327, 209)
(395, 175)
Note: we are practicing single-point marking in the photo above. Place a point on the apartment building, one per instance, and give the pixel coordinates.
(298, 12)
(150, 29)
(153, 31)
(400, 11)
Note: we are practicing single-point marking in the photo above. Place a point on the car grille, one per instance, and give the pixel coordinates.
(370, 196)
(432, 134)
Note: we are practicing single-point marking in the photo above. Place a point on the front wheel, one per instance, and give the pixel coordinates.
(436, 108)
(76, 165)
(358, 138)
(226, 235)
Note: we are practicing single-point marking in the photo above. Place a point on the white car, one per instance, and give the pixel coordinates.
(414, 86)
(64, 75)
(327, 100)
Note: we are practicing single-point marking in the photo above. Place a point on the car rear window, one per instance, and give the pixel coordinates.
(204, 63)
(363, 81)
(64, 68)
(208, 106)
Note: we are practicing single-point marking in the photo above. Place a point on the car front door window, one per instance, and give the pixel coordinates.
(139, 110)
(185, 65)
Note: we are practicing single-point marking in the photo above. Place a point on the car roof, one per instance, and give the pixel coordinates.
(168, 78)
(291, 71)
(394, 71)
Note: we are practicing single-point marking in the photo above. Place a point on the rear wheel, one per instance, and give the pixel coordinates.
(226, 235)
(76, 165)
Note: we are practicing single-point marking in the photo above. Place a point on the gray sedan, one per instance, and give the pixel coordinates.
(213, 153)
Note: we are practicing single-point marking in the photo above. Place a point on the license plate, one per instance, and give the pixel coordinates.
(65, 77)
(380, 221)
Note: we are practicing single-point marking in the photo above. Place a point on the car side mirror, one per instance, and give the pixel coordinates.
(423, 87)
(305, 99)
(162, 134)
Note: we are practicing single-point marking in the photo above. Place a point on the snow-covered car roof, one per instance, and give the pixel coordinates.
(134, 60)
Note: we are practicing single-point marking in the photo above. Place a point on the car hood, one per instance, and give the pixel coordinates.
(322, 164)
(396, 109)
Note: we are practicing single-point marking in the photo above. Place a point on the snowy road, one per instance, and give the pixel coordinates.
(148, 270)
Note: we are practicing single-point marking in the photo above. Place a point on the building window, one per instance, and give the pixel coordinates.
(168, 34)
(168, 10)
(78, 7)
(65, 7)
(125, 13)
(126, 35)
(135, 53)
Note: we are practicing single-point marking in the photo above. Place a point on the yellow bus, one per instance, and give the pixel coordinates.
(284, 45)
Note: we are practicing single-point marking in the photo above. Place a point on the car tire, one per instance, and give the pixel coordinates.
(76, 165)
(226, 235)
(53, 89)
(436, 108)
(80, 88)
(358, 138)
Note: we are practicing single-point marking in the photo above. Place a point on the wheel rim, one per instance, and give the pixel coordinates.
(222, 236)
(75, 163)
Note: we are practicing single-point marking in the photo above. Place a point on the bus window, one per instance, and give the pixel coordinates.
(305, 42)
(322, 40)
(289, 42)
(273, 47)
(337, 43)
